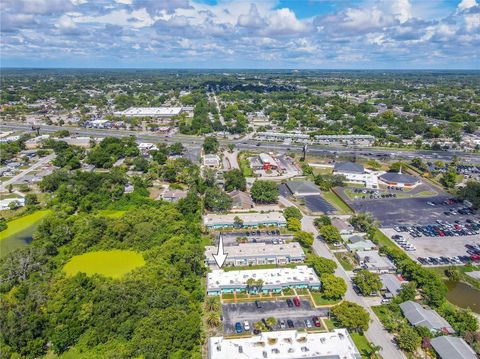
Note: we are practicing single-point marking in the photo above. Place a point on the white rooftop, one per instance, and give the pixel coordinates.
(272, 278)
(247, 250)
(150, 111)
(247, 218)
(288, 344)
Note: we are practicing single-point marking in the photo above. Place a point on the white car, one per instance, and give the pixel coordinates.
(246, 326)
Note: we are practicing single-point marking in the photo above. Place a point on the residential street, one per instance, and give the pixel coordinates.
(41, 162)
(375, 333)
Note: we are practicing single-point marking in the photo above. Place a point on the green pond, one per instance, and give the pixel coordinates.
(19, 232)
(463, 295)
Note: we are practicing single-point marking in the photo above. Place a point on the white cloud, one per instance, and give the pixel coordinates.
(467, 4)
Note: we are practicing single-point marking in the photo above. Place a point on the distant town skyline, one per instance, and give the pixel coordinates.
(269, 34)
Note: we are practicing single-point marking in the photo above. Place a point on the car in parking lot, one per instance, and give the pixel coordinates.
(290, 323)
(289, 303)
(246, 326)
(238, 327)
(296, 301)
(316, 322)
(282, 324)
(308, 323)
(258, 304)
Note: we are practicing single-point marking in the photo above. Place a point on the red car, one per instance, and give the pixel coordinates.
(475, 257)
(316, 322)
(296, 301)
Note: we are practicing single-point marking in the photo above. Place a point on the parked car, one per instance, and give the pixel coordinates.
(290, 323)
(296, 301)
(258, 304)
(289, 303)
(238, 327)
(282, 324)
(316, 322)
(246, 326)
(308, 323)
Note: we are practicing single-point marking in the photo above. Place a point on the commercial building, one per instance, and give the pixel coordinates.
(250, 220)
(452, 348)
(157, 112)
(246, 254)
(355, 173)
(282, 136)
(420, 316)
(302, 188)
(361, 140)
(271, 280)
(287, 344)
(374, 262)
(241, 200)
(399, 180)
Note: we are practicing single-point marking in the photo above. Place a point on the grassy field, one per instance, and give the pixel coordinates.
(337, 202)
(20, 224)
(113, 263)
(320, 300)
(111, 213)
(362, 344)
(383, 240)
(346, 264)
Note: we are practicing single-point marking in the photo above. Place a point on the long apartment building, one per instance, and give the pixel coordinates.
(273, 280)
(246, 254)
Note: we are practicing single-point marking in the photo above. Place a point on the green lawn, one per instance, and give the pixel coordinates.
(20, 224)
(346, 264)
(114, 263)
(337, 202)
(111, 213)
(382, 239)
(320, 300)
(362, 344)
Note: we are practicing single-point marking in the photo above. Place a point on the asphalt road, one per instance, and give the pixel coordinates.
(253, 144)
(375, 333)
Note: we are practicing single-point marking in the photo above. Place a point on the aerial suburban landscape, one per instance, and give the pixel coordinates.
(237, 210)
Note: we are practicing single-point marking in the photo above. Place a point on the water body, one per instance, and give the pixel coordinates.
(18, 240)
(463, 295)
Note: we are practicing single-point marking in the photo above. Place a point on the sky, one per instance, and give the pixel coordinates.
(302, 34)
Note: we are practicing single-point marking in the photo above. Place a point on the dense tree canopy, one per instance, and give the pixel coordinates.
(264, 192)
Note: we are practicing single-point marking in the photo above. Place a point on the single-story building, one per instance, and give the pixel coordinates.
(359, 243)
(173, 195)
(391, 284)
(286, 344)
(355, 173)
(241, 200)
(271, 280)
(399, 179)
(5, 203)
(252, 220)
(448, 347)
(302, 188)
(374, 262)
(343, 226)
(420, 316)
(211, 161)
(246, 254)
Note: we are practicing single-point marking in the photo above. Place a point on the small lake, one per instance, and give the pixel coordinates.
(463, 295)
(17, 240)
(20, 231)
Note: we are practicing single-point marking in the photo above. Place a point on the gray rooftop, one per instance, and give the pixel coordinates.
(391, 283)
(452, 348)
(302, 188)
(398, 177)
(420, 316)
(349, 167)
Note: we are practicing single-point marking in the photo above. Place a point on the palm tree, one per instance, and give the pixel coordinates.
(213, 320)
(374, 351)
(212, 304)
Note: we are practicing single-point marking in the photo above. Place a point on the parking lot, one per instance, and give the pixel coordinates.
(255, 236)
(410, 211)
(447, 246)
(241, 312)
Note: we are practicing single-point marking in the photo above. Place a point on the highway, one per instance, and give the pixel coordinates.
(249, 144)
